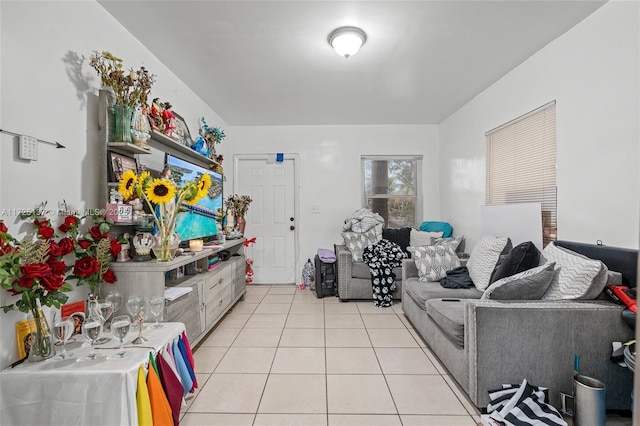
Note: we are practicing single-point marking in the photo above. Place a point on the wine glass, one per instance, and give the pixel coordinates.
(134, 304)
(116, 300)
(106, 309)
(120, 327)
(63, 328)
(156, 305)
(92, 328)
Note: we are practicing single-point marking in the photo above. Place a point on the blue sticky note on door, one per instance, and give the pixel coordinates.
(279, 157)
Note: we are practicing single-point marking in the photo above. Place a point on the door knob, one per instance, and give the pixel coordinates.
(291, 228)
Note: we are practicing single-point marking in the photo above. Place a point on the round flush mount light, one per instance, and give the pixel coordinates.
(346, 41)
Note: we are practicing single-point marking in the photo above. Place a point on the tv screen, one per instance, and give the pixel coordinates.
(197, 221)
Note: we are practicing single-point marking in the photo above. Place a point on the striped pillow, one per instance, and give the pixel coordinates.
(484, 257)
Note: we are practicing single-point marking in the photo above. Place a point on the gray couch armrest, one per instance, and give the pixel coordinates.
(345, 269)
(510, 341)
(409, 269)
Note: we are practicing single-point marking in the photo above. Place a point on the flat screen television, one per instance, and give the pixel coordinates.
(197, 221)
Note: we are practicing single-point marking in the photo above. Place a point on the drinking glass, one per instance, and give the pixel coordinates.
(106, 309)
(119, 328)
(92, 328)
(134, 304)
(156, 305)
(63, 328)
(116, 300)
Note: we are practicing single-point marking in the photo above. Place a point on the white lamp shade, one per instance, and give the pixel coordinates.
(347, 41)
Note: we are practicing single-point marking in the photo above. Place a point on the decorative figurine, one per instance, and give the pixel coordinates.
(123, 256)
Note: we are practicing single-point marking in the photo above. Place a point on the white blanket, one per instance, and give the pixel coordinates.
(362, 220)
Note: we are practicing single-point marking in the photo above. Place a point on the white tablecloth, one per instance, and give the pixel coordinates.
(71, 392)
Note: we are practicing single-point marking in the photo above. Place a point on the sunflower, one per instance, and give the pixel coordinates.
(144, 179)
(204, 183)
(190, 193)
(127, 184)
(160, 191)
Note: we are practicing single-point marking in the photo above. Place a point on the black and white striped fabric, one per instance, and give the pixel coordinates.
(521, 405)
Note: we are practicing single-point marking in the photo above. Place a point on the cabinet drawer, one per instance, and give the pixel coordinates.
(217, 279)
(218, 302)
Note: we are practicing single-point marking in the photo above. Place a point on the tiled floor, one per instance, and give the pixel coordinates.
(283, 357)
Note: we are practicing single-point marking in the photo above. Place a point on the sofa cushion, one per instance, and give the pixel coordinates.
(456, 242)
(523, 256)
(361, 270)
(433, 262)
(400, 236)
(527, 285)
(422, 238)
(448, 314)
(356, 242)
(576, 276)
(484, 257)
(421, 291)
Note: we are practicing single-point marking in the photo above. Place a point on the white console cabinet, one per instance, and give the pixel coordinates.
(213, 290)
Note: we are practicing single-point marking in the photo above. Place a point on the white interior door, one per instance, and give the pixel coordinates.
(271, 216)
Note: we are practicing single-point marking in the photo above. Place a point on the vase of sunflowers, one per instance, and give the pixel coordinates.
(165, 199)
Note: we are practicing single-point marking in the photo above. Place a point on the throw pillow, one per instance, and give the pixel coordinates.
(400, 236)
(484, 257)
(577, 276)
(421, 238)
(528, 285)
(433, 262)
(455, 242)
(523, 256)
(356, 242)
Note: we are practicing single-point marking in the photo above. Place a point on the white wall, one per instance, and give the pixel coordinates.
(49, 92)
(330, 169)
(592, 72)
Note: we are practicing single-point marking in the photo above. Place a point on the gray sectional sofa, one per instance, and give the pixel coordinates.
(487, 343)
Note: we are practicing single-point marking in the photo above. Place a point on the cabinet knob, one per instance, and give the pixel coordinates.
(291, 219)
(291, 228)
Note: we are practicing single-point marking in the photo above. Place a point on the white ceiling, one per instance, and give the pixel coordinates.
(268, 62)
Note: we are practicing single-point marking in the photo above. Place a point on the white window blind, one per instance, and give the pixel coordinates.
(521, 164)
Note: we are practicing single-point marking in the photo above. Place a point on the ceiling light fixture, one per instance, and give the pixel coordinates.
(346, 41)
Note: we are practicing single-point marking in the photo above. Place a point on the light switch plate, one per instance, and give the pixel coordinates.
(28, 148)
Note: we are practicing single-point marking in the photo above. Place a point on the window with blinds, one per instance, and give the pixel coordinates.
(521, 165)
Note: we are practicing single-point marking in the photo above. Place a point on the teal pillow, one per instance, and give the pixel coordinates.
(444, 227)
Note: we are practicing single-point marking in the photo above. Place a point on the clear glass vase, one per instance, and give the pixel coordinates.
(39, 340)
(120, 123)
(166, 246)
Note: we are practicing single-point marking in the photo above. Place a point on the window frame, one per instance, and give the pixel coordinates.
(418, 184)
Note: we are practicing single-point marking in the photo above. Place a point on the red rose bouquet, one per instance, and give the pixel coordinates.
(93, 251)
(34, 269)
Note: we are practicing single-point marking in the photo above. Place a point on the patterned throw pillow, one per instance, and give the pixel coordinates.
(484, 257)
(433, 262)
(577, 276)
(455, 242)
(356, 242)
(528, 285)
(422, 238)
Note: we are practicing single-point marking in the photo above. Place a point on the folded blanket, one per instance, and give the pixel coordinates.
(362, 220)
(326, 255)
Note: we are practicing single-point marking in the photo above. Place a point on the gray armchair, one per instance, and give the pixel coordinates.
(354, 280)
